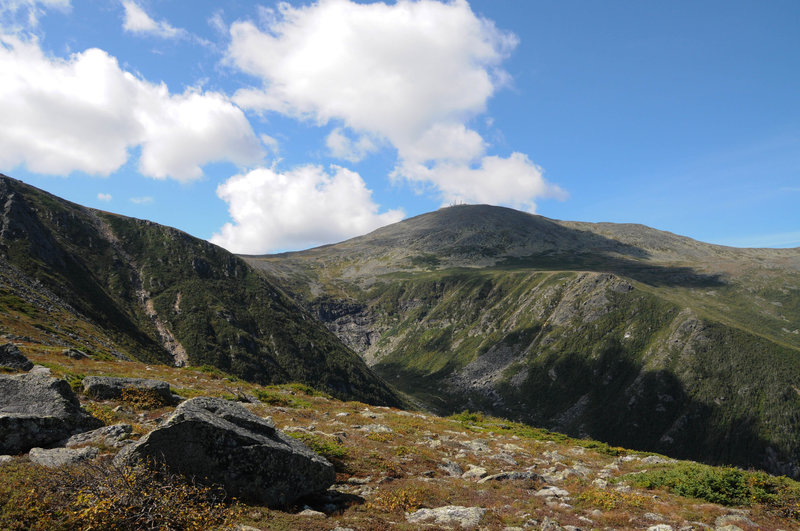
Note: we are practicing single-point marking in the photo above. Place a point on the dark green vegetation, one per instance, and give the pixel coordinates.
(726, 486)
(622, 333)
(116, 286)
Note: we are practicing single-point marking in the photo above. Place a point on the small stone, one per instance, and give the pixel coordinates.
(600, 483)
(733, 519)
(310, 512)
(74, 354)
(505, 476)
(474, 472)
(477, 446)
(552, 491)
(376, 428)
(5, 459)
(660, 527)
(656, 460)
(652, 516)
(451, 468)
(548, 524)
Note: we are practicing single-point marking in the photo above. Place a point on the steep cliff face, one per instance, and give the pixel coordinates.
(650, 341)
(148, 292)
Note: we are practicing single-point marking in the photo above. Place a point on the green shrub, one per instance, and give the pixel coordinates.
(326, 447)
(281, 399)
(726, 486)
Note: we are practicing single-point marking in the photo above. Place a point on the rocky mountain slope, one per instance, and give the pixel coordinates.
(394, 469)
(117, 287)
(622, 333)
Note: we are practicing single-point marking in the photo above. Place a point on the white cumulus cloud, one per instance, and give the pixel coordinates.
(413, 73)
(343, 147)
(104, 197)
(301, 208)
(84, 113)
(513, 181)
(138, 21)
(143, 200)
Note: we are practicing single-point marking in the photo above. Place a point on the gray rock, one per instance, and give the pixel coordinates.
(506, 476)
(376, 428)
(107, 387)
(38, 410)
(108, 435)
(466, 517)
(451, 468)
(548, 524)
(74, 354)
(733, 519)
(656, 460)
(6, 459)
(474, 472)
(660, 527)
(729, 527)
(223, 442)
(11, 357)
(57, 457)
(552, 491)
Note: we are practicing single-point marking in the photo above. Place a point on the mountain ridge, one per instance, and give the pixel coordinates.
(127, 288)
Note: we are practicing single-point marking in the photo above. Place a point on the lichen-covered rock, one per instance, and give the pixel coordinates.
(108, 388)
(56, 457)
(116, 435)
(38, 410)
(222, 442)
(465, 517)
(11, 357)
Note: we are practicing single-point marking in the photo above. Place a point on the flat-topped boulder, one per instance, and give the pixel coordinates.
(38, 410)
(110, 388)
(12, 358)
(222, 442)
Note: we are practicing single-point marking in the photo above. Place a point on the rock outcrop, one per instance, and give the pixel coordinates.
(38, 410)
(222, 442)
(107, 387)
(11, 357)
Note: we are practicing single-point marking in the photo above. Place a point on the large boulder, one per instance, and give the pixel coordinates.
(108, 387)
(38, 410)
(11, 357)
(222, 442)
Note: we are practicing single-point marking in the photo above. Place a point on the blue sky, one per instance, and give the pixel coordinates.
(282, 126)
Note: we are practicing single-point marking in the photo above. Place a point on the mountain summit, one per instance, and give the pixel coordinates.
(620, 332)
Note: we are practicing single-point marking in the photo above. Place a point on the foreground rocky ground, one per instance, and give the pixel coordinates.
(394, 469)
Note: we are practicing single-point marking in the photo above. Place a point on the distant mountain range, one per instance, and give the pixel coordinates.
(113, 286)
(623, 333)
